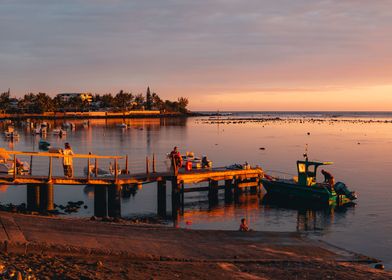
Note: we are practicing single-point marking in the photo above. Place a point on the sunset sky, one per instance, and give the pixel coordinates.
(221, 54)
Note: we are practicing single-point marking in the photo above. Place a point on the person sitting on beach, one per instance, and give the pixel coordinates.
(244, 226)
(328, 178)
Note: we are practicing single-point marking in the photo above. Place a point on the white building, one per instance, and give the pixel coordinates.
(84, 96)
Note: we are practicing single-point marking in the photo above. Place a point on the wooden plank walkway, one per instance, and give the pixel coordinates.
(187, 177)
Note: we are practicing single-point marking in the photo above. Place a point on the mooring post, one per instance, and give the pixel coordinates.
(161, 198)
(46, 195)
(228, 191)
(33, 197)
(114, 201)
(100, 201)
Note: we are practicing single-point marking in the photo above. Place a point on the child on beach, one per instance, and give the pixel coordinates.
(244, 226)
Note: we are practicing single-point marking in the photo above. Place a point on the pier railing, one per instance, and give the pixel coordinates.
(119, 165)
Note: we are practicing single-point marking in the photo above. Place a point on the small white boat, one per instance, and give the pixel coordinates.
(122, 125)
(7, 165)
(59, 131)
(101, 172)
(11, 134)
(66, 125)
(197, 162)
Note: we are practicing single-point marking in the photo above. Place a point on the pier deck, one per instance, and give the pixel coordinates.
(108, 188)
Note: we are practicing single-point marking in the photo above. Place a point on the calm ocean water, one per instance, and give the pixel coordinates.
(360, 148)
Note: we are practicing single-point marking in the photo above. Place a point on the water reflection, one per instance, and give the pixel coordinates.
(283, 144)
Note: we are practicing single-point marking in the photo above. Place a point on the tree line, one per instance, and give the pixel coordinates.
(120, 102)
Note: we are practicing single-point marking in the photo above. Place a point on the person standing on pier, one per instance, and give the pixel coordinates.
(67, 160)
(176, 158)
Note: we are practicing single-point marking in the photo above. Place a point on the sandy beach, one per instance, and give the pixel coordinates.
(58, 248)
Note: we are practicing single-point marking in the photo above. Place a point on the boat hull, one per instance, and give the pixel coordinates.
(291, 190)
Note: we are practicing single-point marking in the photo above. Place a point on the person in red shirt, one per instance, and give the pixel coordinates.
(176, 158)
(244, 226)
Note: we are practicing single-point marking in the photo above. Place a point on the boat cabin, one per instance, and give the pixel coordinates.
(307, 171)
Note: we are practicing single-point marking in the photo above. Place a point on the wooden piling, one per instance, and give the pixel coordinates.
(114, 201)
(100, 201)
(46, 194)
(228, 191)
(237, 190)
(182, 197)
(161, 198)
(254, 189)
(33, 197)
(213, 191)
(175, 197)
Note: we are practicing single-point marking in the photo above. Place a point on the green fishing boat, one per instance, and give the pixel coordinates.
(306, 188)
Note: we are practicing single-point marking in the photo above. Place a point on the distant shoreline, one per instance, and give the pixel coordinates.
(99, 115)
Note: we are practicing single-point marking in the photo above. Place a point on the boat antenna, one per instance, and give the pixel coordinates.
(306, 152)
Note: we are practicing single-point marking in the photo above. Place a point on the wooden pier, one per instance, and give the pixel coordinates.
(107, 189)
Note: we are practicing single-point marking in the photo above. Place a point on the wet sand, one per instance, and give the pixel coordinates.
(59, 248)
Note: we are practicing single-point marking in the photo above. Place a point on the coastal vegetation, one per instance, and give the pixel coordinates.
(120, 102)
